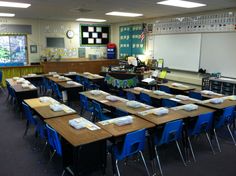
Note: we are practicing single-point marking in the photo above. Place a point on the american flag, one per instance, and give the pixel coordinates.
(144, 31)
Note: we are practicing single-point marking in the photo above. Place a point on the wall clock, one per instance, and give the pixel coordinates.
(70, 34)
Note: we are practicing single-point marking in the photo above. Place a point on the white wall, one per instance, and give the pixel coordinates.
(42, 29)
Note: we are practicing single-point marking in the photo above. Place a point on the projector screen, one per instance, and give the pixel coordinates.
(179, 51)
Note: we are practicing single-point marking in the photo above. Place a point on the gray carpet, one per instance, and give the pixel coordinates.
(23, 156)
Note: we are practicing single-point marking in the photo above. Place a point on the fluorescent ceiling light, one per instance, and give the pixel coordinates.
(91, 20)
(7, 14)
(14, 4)
(180, 3)
(124, 14)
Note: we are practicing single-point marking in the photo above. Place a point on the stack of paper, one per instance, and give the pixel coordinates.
(217, 100)
(161, 111)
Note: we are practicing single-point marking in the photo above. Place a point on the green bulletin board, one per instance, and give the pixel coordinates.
(130, 42)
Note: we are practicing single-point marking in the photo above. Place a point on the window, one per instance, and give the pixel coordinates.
(13, 50)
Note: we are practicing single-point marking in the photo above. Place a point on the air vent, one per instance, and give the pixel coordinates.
(81, 10)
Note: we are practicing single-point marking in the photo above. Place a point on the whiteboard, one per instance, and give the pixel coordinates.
(179, 51)
(218, 53)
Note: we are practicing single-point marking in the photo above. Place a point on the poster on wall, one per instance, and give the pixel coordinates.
(95, 35)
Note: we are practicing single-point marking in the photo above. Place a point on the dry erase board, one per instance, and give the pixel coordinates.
(179, 51)
(218, 53)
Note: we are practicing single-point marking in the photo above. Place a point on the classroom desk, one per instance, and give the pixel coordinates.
(35, 102)
(225, 104)
(178, 90)
(117, 131)
(71, 90)
(91, 77)
(24, 93)
(70, 75)
(205, 96)
(46, 113)
(160, 120)
(57, 80)
(11, 82)
(120, 104)
(83, 149)
(194, 113)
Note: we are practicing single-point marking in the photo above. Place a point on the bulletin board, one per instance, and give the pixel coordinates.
(95, 35)
(130, 42)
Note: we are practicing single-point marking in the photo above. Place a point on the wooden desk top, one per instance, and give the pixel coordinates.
(115, 130)
(91, 76)
(34, 103)
(225, 104)
(46, 113)
(11, 81)
(57, 80)
(98, 98)
(194, 113)
(117, 104)
(178, 88)
(18, 88)
(69, 86)
(74, 136)
(159, 120)
(34, 76)
(209, 96)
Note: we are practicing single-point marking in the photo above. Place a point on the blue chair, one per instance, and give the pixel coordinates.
(134, 143)
(130, 96)
(202, 125)
(57, 91)
(196, 95)
(98, 112)
(172, 133)
(32, 120)
(169, 103)
(78, 79)
(226, 119)
(1, 86)
(145, 98)
(85, 104)
(120, 113)
(46, 85)
(165, 89)
(89, 85)
(53, 141)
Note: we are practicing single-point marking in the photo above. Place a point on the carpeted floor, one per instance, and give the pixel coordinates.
(23, 156)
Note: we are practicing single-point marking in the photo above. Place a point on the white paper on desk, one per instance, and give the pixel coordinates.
(231, 97)
(104, 101)
(144, 113)
(174, 99)
(182, 97)
(161, 111)
(67, 109)
(119, 121)
(148, 80)
(81, 122)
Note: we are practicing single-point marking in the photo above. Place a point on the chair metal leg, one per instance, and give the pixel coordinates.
(217, 141)
(180, 152)
(158, 161)
(191, 148)
(209, 140)
(45, 146)
(26, 128)
(52, 155)
(63, 172)
(144, 162)
(117, 168)
(231, 134)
